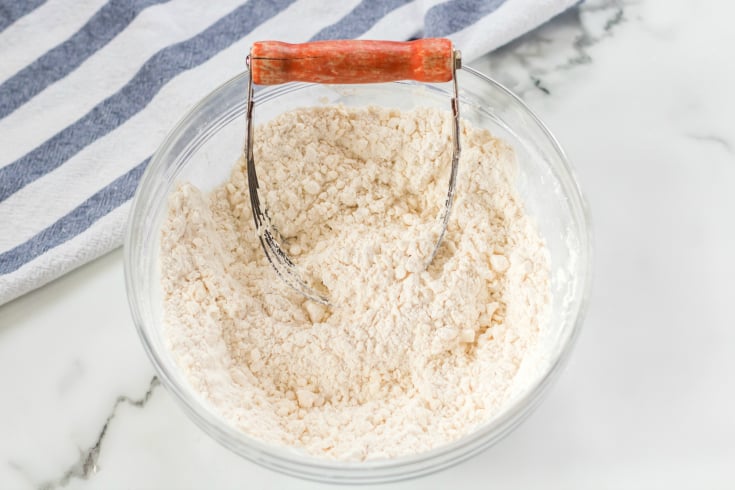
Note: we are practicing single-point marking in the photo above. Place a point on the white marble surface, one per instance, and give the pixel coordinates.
(640, 95)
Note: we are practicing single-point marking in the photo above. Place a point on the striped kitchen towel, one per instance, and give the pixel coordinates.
(88, 88)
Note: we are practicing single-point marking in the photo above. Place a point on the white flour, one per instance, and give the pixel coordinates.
(408, 359)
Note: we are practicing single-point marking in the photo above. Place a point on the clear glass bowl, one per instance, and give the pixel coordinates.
(206, 144)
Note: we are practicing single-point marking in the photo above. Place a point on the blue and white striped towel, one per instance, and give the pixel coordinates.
(88, 89)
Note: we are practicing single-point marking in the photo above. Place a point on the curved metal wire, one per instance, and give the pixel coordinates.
(279, 260)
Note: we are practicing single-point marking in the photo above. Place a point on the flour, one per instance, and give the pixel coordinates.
(408, 359)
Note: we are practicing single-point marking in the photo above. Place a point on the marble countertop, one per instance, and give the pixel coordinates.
(639, 94)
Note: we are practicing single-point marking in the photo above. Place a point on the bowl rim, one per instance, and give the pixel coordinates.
(309, 467)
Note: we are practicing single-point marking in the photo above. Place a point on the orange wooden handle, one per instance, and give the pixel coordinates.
(424, 60)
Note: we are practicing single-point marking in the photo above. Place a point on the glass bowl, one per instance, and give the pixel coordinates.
(206, 144)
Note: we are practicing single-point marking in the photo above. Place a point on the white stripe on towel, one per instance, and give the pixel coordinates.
(102, 237)
(404, 22)
(42, 29)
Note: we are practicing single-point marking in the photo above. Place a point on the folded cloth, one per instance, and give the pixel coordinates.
(89, 88)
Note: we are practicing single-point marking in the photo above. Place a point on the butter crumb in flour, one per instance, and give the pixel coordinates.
(408, 359)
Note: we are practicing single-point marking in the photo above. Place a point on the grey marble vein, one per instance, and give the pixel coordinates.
(86, 465)
(524, 64)
(714, 139)
(22, 471)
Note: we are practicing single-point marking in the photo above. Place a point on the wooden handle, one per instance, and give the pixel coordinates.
(424, 60)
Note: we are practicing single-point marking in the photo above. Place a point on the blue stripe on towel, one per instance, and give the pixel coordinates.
(75, 222)
(365, 15)
(99, 30)
(137, 93)
(454, 15)
(13, 10)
